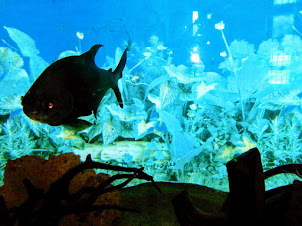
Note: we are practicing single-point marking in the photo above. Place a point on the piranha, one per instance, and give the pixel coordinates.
(71, 87)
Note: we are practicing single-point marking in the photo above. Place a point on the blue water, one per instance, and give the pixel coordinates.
(225, 112)
(53, 24)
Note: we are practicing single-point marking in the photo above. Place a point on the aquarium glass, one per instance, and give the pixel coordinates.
(204, 82)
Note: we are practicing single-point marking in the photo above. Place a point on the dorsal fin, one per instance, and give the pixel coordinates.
(90, 54)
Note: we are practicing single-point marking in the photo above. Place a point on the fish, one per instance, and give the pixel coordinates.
(71, 87)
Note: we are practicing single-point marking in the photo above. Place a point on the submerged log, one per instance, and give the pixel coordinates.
(247, 202)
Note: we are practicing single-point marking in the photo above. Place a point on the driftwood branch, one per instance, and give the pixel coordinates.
(47, 208)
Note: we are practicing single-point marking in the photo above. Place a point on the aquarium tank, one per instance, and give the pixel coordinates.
(203, 82)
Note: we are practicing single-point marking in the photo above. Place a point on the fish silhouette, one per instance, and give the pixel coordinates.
(71, 87)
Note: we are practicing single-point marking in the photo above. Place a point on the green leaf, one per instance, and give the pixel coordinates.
(168, 92)
(183, 149)
(200, 89)
(172, 123)
(9, 104)
(110, 130)
(241, 49)
(292, 44)
(251, 76)
(10, 59)
(16, 82)
(68, 53)
(36, 65)
(25, 43)
(269, 48)
(185, 75)
(155, 83)
(102, 111)
(89, 118)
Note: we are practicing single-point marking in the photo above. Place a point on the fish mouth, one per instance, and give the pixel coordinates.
(53, 119)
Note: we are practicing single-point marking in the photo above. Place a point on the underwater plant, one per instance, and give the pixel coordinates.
(179, 119)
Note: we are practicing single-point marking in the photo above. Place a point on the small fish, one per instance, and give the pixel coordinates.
(71, 87)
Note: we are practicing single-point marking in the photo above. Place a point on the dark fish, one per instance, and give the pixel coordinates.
(71, 87)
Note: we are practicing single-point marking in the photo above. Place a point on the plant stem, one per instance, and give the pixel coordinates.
(235, 73)
(138, 64)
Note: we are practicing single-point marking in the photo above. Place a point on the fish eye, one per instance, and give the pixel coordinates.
(50, 105)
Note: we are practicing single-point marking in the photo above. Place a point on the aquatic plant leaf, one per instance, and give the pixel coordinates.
(280, 99)
(159, 155)
(25, 43)
(68, 53)
(183, 74)
(241, 49)
(172, 123)
(220, 25)
(121, 83)
(116, 110)
(110, 130)
(9, 60)
(36, 65)
(9, 104)
(28, 48)
(128, 113)
(236, 139)
(212, 77)
(213, 130)
(142, 128)
(270, 106)
(183, 148)
(89, 118)
(230, 64)
(155, 83)
(36, 127)
(1, 71)
(185, 92)
(103, 113)
(251, 76)
(291, 44)
(259, 126)
(159, 126)
(103, 118)
(94, 131)
(138, 103)
(128, 158)
(168, 92)
(147, 54)
(221, 99)
(14, 79)
(161, 47)
(16, 82)
(155, 100)
(268, 48)
(15, 139)
(55, 133)
(200, 89)
(127, 130)
(149, 162)
(110, 63)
